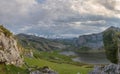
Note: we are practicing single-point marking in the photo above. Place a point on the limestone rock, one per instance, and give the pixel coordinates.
(9, 51)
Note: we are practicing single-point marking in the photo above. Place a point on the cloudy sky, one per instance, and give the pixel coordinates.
(68, 18)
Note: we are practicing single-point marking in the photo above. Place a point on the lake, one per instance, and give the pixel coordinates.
(92, 58)
(89, 58)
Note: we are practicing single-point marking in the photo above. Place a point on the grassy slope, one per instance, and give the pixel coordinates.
(10, 69)
(60, 63)
(2, 69)
(61, 68)
(56, 57)
(63, 64)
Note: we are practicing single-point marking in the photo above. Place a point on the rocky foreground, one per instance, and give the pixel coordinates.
(44, 70)
(10, 53)
(108, 69)
(9, 50)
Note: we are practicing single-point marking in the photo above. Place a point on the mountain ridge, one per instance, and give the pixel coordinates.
(40, 43)
(91, 41)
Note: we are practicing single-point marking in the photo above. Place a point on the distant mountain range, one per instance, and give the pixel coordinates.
(35, 42)
(91, 41)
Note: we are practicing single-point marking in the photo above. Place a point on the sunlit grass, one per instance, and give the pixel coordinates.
(60, 68)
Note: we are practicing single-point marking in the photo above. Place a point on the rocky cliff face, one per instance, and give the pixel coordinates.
(9, 51)
(111, 44)
(94, 41)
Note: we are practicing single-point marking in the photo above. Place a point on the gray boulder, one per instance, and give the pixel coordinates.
(44, 70)
(108, 69)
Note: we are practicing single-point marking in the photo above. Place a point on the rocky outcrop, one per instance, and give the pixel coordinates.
(94, 41)
(28, 53)
(9, 51)
(108, 69)
(44, 70)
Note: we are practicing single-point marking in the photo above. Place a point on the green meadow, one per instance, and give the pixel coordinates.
(59, 63)
(60, 68)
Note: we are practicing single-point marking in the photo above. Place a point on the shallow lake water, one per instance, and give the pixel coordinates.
(68, 53)
(89, 58)
(92, 58)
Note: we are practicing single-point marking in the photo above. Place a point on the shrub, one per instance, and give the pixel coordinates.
(5, 31)
(111, 45)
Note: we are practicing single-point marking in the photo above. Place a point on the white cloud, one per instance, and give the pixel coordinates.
(98, 7)
(25, 28)
(65, 17)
